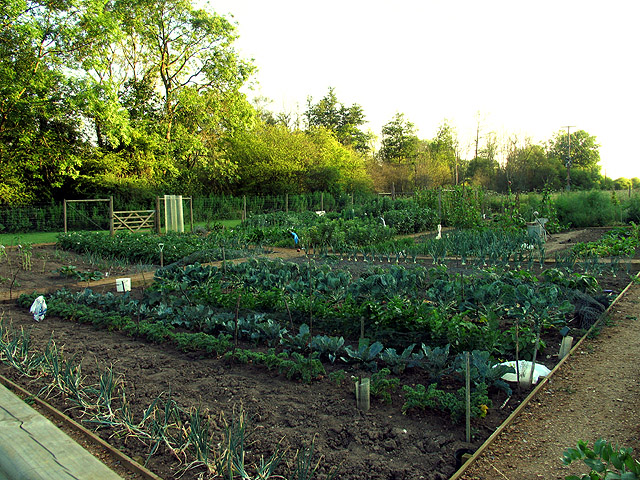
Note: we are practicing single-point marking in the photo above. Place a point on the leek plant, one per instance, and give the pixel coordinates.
(15, 350)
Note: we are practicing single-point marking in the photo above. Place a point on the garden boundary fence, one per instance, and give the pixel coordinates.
(131, 220)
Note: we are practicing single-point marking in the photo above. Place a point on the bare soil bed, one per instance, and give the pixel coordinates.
(379, 444)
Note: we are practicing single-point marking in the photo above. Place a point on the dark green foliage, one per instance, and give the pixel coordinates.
(145, 248)
(484, 370)
(202, 342)
(399, 363)
(155, 332)
(586, 209)
(366, 353)
(618, 242)
(414, 219)
(432, 398)
(433, 360)
(632, 209)
(294, 366)
(299, 342)
(382, 386)
(327, 347)
(605, 461)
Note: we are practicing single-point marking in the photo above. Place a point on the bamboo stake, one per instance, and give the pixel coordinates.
(286, 304)
(517, 355)
(535, 354)
(468, 395)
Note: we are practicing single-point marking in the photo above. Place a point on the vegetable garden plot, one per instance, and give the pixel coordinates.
(302, 322)
(427, 307)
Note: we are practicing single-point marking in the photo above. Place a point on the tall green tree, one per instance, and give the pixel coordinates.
(399, 141)
(443, 150)
(40, 131)
(528, 168)
(165, 88)
(344, 122)
(578, 147)
(483, 168)
(580, 154)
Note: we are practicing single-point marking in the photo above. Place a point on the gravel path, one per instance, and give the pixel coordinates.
(595, 394)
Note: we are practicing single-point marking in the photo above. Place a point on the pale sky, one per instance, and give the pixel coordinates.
(528, 68)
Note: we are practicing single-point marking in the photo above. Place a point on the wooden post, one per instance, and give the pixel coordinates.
(468, 395)
(286, 203)
(111, 215)
(352, 201)
(244, 208)
(321, 200)
(64, 209)
(157, 219)
(191, 210)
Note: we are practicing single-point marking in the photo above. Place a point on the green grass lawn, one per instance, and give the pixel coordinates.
(52, 237)
(33, 238)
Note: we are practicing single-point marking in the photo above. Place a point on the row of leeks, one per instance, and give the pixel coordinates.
(468, 247)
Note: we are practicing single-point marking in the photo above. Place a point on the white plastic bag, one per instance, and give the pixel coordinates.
(39, 308)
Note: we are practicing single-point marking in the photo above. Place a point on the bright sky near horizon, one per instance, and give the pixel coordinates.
(524, 68)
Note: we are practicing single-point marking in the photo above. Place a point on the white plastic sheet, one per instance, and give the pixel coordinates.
(525, 371)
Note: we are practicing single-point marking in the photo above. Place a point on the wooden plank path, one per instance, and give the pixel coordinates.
(32, 447)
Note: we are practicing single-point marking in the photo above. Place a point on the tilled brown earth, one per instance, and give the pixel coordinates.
(381, 443)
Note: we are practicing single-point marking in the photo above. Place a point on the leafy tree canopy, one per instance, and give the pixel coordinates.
(271, 159)
(579, 148)
(399, 141)
(344, 122)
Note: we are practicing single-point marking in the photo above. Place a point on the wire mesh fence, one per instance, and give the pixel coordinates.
(95, 216)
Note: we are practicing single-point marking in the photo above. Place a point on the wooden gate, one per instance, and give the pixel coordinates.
(134, 220)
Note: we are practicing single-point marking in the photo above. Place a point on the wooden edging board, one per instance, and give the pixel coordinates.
(457, 475)
(128, 463)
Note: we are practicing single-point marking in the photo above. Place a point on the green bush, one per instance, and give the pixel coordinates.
(631, 209)
(586, 209)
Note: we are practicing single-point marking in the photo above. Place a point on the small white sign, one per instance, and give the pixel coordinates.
(123, 284)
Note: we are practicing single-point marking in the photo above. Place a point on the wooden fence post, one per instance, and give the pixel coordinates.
(157, 219)
(244, 208)
(65, 215)
(111, 215)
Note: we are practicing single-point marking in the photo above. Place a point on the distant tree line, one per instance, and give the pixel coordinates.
(142, 97)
